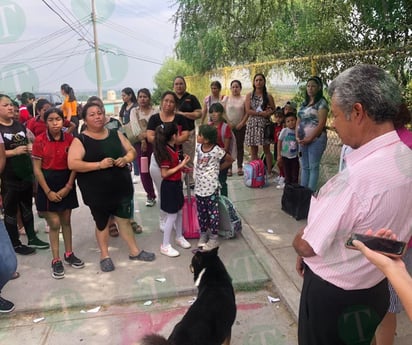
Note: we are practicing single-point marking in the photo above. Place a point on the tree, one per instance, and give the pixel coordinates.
(164, 78)
(222, 33)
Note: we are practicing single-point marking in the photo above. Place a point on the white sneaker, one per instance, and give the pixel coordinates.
(276, 179)
(181, 242)
(280, 186)
(135, 179)
(281, 180)
(169, 251)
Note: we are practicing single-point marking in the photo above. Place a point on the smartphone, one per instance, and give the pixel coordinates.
(392, 248)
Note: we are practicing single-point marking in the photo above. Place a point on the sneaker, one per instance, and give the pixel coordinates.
(24, 250)
(181, 242)
(73, 261)
(276, 179)
(169, 251)
(6, 306)
(57, 270)
(37, 243)
(212, 243)
(204, 237)
(150, 202)
(280, 186)
(281, 180)
(135, 179)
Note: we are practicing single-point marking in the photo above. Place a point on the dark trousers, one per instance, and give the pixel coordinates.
(329, 315)
(13, 197)
(223, 181)
(291, 169)
(240, 141)
(146, 178)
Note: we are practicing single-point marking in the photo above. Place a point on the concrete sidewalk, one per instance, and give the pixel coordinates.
(254, 259)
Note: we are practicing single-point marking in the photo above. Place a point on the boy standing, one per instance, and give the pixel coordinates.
(288, 150)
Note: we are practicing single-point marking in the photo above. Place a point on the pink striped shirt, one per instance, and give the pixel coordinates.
(373, 192)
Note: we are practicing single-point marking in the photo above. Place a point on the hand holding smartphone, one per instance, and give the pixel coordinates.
(385, 246)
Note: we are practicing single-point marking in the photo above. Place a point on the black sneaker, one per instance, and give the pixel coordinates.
(37, 243)
(24, 250)
(6, 306)
(57, 270)
(73, 261)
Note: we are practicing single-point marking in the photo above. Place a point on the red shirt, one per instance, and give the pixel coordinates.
(38, 126)
(174, 155)
(226, 135)
(24, 114)
(278, 129)
(53, 154)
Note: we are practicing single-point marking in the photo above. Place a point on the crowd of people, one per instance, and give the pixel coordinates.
(44, 153)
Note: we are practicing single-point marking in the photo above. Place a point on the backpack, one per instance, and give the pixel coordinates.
(255, 174)
(229, 220)
(232, 145)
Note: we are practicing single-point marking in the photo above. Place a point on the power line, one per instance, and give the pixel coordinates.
(64, 20)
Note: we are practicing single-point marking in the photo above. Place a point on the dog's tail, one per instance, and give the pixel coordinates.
(153, 339)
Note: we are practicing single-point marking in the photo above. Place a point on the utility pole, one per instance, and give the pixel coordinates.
(96, 53)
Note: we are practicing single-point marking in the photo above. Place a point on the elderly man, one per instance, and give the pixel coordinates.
(344, 297)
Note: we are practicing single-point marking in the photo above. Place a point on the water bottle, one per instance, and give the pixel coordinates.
(144, 165)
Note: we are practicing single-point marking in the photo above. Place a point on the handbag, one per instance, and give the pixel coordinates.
(134, 129)
(269, 131)
(296, 200)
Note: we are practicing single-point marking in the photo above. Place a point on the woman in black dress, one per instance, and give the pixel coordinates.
(100, 158)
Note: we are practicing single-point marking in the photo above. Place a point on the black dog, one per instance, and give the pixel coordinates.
(210, 318)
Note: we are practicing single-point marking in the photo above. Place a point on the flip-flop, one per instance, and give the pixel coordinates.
(113, 231)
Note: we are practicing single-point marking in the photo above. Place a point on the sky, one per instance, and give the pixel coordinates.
(42, 47)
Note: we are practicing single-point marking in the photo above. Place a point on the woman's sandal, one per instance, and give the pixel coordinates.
(240, 172)
(137, 229)
(106, 265)
(15, 275)
(143, 256)
(113, 231)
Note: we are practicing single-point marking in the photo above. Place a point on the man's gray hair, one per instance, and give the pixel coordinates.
(371, 86)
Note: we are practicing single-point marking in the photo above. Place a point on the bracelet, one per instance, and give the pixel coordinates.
(49, 191)
(68, 185)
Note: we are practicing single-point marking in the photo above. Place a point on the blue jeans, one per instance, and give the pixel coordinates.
(310, 161)
(8, 260)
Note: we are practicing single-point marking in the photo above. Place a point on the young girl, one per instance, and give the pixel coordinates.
(224, 136)
(210, 160)
(56, 196)
(171, 189)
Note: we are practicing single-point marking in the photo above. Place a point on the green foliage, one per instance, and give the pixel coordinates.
(164, 78)
(233, 32)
